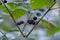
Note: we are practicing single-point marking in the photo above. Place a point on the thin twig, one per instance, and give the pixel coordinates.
(4, 35)
(24, 27)
(40, 19)
(13, 19)
(28, 18)
(25, 23)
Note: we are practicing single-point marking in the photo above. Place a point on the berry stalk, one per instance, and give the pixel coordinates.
(40, 19)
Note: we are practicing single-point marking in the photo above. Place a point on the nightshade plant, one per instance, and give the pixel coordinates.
(17, 10)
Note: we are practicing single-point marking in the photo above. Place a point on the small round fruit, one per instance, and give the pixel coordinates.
(34, 18)
(5, 1)
(24, 0)
(33, 23)
(19, 23)
(30, 21)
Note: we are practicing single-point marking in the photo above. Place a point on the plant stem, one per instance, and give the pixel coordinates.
(4, 35)
(13, 19)
(28, 18)
(24, 27)
(40, 19)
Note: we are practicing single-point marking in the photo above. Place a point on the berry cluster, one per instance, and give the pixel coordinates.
(28, 21)
(32, 21)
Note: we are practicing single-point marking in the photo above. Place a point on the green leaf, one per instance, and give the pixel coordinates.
(37, 4)
(18, 13)
(8, 25)
(52, 29)
(2, 7)
(6, 29)
(47, 24)
(51, 32)
(13, 5)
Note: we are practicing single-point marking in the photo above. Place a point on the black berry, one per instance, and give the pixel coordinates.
(34, 18)
(24, 0)
(5, 1)
(30, 21)
(33, 23)
(19, 23)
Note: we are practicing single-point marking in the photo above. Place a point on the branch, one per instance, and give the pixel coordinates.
(4, 35)
(28, 18)
(40, 19)
(13, 19)
(24, 27)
